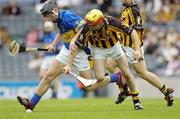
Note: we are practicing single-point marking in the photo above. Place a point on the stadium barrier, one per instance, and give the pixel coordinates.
(10, 89)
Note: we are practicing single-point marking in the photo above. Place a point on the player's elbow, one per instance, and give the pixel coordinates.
(48, 77)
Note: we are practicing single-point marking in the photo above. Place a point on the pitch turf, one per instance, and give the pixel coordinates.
(96, 108)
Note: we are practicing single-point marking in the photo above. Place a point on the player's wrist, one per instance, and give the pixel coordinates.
(137, 49)
(52, 46)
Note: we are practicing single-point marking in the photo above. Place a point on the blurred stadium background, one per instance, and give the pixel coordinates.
(22, 21)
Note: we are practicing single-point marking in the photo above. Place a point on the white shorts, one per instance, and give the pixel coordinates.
(130, 54)
(103, 53)
(80, 62)
(47, 62)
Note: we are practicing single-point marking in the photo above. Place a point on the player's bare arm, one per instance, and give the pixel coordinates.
(137, 53)
(73, 46)
(52, 46)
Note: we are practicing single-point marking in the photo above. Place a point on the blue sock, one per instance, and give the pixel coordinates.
(35, 99)
(114, 77)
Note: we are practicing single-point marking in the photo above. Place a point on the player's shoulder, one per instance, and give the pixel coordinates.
(67, 13)
(64, 13)
(135, 7)
(111, 20)
(70, 17)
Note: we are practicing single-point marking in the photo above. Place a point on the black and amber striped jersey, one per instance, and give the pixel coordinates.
(106, 37)
(132, 17)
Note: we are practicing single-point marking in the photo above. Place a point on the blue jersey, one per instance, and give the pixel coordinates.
(48, 39)
(69, 23)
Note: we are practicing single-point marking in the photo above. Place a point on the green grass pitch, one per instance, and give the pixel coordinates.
(91, 108)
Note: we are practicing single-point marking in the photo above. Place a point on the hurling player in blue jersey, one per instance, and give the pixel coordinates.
(69, 24)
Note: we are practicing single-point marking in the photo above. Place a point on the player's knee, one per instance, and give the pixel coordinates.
(110, 66)
(48, 77)
(100, 77)
(41, 74)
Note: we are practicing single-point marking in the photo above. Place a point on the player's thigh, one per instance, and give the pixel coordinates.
(45, 65)
(100, 56)
(140, 67)
(111, 64)
(123, 64)
(54, 69)
(42, 72)
(99, 68)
